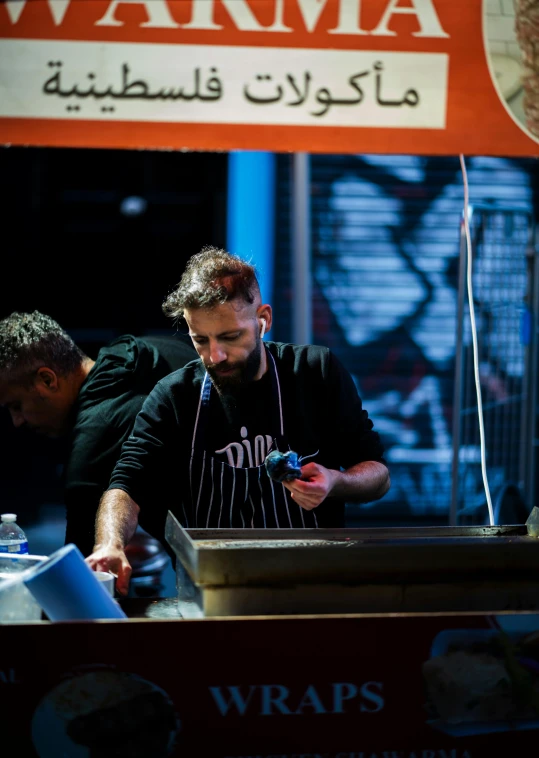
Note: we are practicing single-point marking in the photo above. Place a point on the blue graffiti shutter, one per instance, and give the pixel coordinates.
(385, 246)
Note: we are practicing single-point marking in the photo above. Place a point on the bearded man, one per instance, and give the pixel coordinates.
(200, 441)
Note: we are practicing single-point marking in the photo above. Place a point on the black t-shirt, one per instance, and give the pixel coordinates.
(323, 420)
(242, 415)
(124, 373)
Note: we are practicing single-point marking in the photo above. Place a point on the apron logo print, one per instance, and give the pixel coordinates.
(232, 484)
(238, 452)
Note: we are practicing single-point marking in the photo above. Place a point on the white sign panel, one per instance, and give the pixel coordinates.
(220, 84)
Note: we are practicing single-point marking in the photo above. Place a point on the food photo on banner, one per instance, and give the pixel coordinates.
(482, 681)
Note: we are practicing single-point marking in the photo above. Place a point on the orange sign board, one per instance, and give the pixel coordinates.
(342, 76)
(387, 686)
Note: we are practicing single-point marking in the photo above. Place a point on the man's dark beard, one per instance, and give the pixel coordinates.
(244, 373)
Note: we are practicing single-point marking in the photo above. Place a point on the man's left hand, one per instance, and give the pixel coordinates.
(314, 486)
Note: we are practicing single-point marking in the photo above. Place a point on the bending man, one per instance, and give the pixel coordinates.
(49, 385)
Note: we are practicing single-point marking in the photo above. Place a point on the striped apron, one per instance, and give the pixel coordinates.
(227, 496)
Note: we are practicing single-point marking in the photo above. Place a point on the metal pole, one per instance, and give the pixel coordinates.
(533, 430)
(302, 328)
(251, 213)
(457, 394)
(528, 379)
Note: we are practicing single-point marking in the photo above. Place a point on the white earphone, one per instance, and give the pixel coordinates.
(263, 328)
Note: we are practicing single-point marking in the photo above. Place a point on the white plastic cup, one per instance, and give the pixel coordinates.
(107, 579)
(67, 588)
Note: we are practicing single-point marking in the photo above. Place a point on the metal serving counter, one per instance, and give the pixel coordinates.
(339, 643)
(431, 569)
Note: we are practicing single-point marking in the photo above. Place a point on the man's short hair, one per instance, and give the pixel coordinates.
(212, 277)
(31, 340)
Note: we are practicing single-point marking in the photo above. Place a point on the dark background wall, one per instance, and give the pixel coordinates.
(78, 247)
(70, 247)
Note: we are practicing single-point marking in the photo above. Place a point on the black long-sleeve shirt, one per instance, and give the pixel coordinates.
(323, 419)
(123, 375)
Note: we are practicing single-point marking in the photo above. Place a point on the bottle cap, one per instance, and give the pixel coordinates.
(9, 517)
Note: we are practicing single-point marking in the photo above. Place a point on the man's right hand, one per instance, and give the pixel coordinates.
(113, 559)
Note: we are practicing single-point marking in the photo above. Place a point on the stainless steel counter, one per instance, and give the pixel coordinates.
(252, 571)
(150, 608)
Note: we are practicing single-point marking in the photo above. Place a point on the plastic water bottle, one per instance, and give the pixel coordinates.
(12, 537)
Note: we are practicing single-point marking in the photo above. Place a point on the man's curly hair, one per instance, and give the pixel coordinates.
(212, 277)
(31, 340)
